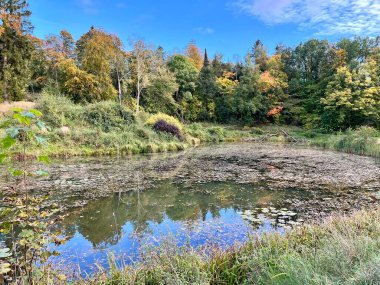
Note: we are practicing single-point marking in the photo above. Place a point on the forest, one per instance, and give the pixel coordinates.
(317, 84)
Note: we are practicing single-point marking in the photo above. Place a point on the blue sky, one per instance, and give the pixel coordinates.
(229, 27)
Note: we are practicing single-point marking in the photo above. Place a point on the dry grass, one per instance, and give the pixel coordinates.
(7, 107)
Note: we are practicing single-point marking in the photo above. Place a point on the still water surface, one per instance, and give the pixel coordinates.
(216, 195)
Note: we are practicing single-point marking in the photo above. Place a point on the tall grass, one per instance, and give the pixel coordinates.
(363, 141)
(342, 250)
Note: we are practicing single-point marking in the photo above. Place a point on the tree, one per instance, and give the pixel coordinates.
(97, 56)
(186, 76)
(79, 85)
(38, 66)
(195, 55)
(56, 48)
(353, 97)
(120, 67)
(260, 56)
(15, 48)
(68, 44)
(249, 105)
(309, 68)
(227, 86)
(141, 61)
(206, 89)
(273, 82)
(162, 87)
(218, 66)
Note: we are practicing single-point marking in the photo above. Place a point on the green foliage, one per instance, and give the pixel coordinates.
(159, 94)
(22, 217)
(59, 110)
(107, 116)
(353, 97)
(16, 49)
(249, 105)
(206, 91)
(364, 141)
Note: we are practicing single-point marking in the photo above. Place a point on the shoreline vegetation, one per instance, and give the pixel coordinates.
(340, 250)
(106, 128)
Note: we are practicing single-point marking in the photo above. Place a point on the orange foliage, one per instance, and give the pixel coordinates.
(267, 81)
(195, 55)
(275, 111)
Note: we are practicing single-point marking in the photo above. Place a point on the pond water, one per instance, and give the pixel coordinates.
(216, 195)
(220, 214)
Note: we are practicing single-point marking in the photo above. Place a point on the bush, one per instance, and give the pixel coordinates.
(163, 126)
(107, 115)
(257, 131)
(217, 133)
(196, 130)
(59, 110)
(163, 117)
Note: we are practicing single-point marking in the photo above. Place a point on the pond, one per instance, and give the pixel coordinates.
(215, 196)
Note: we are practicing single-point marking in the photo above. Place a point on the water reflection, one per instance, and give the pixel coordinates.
(206, 213)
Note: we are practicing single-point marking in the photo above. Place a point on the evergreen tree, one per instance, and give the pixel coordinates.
(207, 89)
(16, 48)
(260, 56)
(249, 104)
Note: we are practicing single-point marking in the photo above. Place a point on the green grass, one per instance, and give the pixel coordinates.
(342, 250)
(105, 128)
(363, 141)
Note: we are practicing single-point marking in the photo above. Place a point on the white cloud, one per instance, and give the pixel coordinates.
(89, 6)
(204, 30)
(325, 17)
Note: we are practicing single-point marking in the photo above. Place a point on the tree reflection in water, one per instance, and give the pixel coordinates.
(101, 222)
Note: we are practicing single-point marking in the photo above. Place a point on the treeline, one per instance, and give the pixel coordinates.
(316, 84)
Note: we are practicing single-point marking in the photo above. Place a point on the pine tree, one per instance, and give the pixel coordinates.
(15, 48)
(207, 89)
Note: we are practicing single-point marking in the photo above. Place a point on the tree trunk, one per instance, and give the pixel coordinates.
(119, 86)
(6, 97)
(138, 97)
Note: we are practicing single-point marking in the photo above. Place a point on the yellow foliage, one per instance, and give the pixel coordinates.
(164, 117)
(226, 85)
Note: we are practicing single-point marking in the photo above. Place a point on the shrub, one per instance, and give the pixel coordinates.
(217, 133)
(58, 110)
(257, 131)
(163, 117)
(163, 126)
(107, 115)
(196, 130)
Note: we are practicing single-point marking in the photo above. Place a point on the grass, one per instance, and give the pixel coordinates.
(363, 141)
(342, 250)
(7, 107)
(108, 129)
(105, 128)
